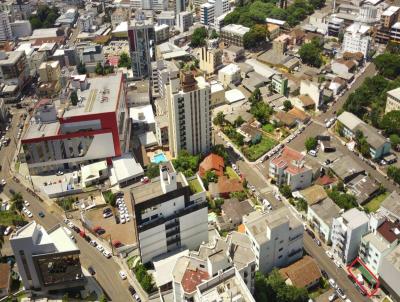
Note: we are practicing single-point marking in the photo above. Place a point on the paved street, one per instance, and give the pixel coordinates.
(106, 269)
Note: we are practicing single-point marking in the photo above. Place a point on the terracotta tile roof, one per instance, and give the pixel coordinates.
(285, 118)
(4, 275)
(302, 273)
(40, 41)
(192, 278)
(306, 100)
(226, 185)
(324, 180)
(241, 228)
(387, 230)
(299, 114)
(288, 155)
(212, 162)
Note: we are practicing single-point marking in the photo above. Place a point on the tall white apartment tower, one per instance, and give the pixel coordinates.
(189, 114)
(5, 27)
(180, 6)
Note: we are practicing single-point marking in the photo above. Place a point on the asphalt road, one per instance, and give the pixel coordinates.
(106, 269)
(338, 274)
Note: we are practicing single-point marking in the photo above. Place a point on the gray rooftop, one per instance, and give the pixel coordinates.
(346, 167)
(374, 139)
(326, 210)
(349, 120)
(392, 204)
(355, 218)
(11, 57)
(240, 249)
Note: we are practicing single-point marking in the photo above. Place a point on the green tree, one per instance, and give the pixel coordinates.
(81, 68)
(343, 200)
(103, 298)
(301, 205)
(239, 121)
(394, 139)
(362, 144)
(35, 23)
(255, 96)
(17, 202)
(391, 122)
(144, 278)
(310, 54)
(124, 60)
(311, 143)
(210, 176)
(388, 65)
(255, 36)
(152, 170)
(110, 198)
(287, 105)
(214, 34)
(99, 69)
(73, 98)
(262, 112)
(186, 163)
(219, 120)
(286, 191)
(220, 150)
(199, 37)
(241, 195)
(394, 173)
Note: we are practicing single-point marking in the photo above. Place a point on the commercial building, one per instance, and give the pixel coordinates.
(279, 84)
(207, 13)
(357, 39)
(169, 215)
(184, 20)
(96, 128)
(288, 168)
(276, 237)
(230, 74)
(210, 59)
(141, 38)
(121, 14)
(180, 6)
(383, 239)
(389, 274)
(393, 100)
(21, 28)
(347, 231)
(14, 74)
(189, 108)
(166, 17)
(85, 22)
(49, 71)
(46, 260)
(233, 34)
(161, 33)
(5, 27)
(335, 26)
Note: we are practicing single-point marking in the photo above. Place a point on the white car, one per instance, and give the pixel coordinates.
(100, 248)
(123, 221)
(337, 262)
(329, 254)
(332, 283)
(3, 182)
(107, 254)
(70, 225)
(26, 203)
(312, 153)
(332, 297)
(7, 231)
(29, 214)
(123, 275)
(234, 167)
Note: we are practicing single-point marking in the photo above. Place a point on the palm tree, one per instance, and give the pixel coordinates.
(17, 202)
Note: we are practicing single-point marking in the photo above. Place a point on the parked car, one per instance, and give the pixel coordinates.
(324, 274)
(144, 180)
(332, 297)
(107, 254)
(341, 293)
(311, 233)
(137, 298)
(7, 231)
(337, 262)
(317, 241)
(91, 270)
(26, 203)
(332, 283)
(312, 153)
(93, 243)
(329, 254)
(41, 214)
(131, 290)
(123, 275)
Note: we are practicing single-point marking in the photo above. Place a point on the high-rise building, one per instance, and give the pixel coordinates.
(170, 214)
(5, 28)
(357, 39)
(210, 59)
(47, 260)
(213, 9)
(189, 112)
(184, 20)
(141, 46)
(180, 6)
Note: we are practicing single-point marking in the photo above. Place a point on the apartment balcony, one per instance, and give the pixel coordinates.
(171, 224)
(173, 232)
(173, 240)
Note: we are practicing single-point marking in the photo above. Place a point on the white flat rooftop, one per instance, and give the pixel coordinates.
(142, 114)
(126, 168)
(101, 96)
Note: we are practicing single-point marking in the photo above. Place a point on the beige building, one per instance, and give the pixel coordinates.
(210, 59)
(50, 71)
(393, 100)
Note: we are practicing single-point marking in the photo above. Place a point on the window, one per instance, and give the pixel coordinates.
(280, 250)
(280, 257)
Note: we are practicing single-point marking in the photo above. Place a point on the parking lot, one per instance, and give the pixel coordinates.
(123, 232)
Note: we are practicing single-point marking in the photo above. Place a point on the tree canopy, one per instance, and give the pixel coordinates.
(388, 65)
(124, 60)
(391, 122)
(255, 36)
(311, 143)
(81, 68)
(186, 163)
(199, 37)
(45, 18)
(310, 53)
(17, 202)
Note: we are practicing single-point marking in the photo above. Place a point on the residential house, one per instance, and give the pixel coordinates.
(346, 168)
(279, 84)
(379, 146)
(389, 273)
(214, 163)
(277, 238)
(390, 207)
(320, 216)
(224, 187)
(232, 212)
(313, 194)
(288, 168)
(232, 54)
(313, 90)
(304, 273)
(364, 188)
(251, 134)
(347, 231)
(341, 66)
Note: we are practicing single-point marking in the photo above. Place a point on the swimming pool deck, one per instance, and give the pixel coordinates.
(151, 154)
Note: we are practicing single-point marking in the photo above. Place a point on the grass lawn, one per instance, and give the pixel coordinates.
(7, 217)
(195, 186)
(231, 173)
(255, 151)
(374, 204)
(268, 128)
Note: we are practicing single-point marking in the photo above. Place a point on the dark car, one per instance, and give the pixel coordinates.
(106, 210)
(324, 274)
(76, 229)
(41, 214)
(87, 238)
(309, 232)
(117, 219)
(100, 231)
(12, 192)
(131, 290)
(91, 270)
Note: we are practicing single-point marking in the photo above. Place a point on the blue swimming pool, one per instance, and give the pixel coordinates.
(159, 158)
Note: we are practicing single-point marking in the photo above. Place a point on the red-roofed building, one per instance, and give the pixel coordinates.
(224, 187)
(192, 278)
(5, 279)
(288, 168)
(325, 180)
(212, 162)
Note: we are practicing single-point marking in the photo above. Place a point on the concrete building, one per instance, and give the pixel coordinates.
(169, 215)
(184, 20)
(233, 53)
(277, 238)
(85, 22)
(21, 28)
(377, 244)
(279, 84)
(5, 27)
(347, 231)
(393, 100)
(230, 74)
(210, 59)
(189, 104)
(14, 74)
(180, 6)
(96, 128)
(357, 39)
(166, 17)
(335, 26)
(161, 33)
(121, 14)
(288, 168)
(232, 34)
(320, 216)
(21, 9)
(390, 207)
(207, 13)
(313, 90)
(141, 38)
(47, 260)
(49, 71)
(389, 274)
